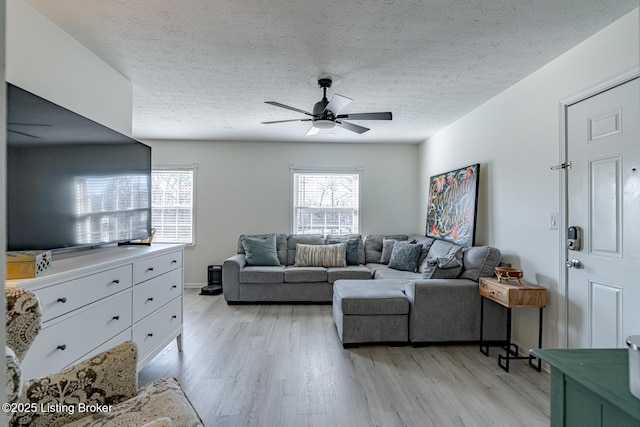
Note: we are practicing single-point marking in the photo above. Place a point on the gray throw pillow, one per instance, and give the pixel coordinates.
(352, 249)
(260, 250)
(387, 248)
(405, 256)
(442, 268)
(480, 261)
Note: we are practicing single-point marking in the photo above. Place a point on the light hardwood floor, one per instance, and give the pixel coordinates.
(283, 365)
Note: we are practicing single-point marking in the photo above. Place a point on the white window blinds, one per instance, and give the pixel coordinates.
(325, 202)
(172, 205)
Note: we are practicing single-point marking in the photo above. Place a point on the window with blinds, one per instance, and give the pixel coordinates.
(325, 202)
(172, 205)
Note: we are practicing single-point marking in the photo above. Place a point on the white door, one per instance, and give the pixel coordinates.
(603, 284)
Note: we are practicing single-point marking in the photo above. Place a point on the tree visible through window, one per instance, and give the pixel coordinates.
(325, 203)
(172, 205)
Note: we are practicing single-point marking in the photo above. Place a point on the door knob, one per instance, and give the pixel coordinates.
(573, 263)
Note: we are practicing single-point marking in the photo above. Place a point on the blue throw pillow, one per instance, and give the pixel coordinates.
(352, 249)
(405, 256)
(260, 250)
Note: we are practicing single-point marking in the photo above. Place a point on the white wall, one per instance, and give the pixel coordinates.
(516, 138)
(41, 58)
(244, 188)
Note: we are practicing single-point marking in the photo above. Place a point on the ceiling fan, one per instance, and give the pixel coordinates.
(325, 113)
(23, 124)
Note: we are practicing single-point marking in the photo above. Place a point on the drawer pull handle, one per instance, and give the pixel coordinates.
(150, 299)
(62, 347)
(116, 281)
(116, 317)
(174, 317)
(62, 300)
(150, 269)
(174, 286)
(174, 261)
(149, 335)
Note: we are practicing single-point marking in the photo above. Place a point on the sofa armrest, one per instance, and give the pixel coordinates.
(447, 310)
(108, 378)
(231, 276)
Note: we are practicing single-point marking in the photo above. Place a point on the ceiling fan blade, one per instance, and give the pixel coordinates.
(312, 131)
(26, 124)
(277, 104)
(22, 133)
(352, 127)
(366, 116)
(284, 121)
(337, 103)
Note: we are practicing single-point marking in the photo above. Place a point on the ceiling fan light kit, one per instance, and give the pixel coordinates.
(325, 113)
(323, 124)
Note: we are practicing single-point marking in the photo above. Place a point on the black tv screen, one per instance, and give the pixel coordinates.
(71, 182)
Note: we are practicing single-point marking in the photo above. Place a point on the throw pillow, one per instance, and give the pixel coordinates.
(387, 248)
(352, 249)
(442, 268)
(405, 256)
(480, 261)
(336, 255)
(321, 255)
(260, 250)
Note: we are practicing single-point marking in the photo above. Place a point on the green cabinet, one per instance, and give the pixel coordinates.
(590, 388)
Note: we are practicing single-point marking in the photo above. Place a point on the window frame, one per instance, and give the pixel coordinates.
(193, 168)
(327, 170)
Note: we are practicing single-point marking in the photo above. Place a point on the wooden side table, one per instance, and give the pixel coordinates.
(511, 295)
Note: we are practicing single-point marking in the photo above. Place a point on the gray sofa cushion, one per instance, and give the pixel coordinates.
(384, 272)
(262, 274)
(305, 274)
(345, 237)
(479, 261)
(373, 245)
(348, 272)
(305, 239)
(281, 246)
(377, 297)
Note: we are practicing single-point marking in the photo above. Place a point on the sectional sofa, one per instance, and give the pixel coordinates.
(377, 295)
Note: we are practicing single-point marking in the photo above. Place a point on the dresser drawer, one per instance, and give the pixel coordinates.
(154, 293)
(118, 339)
(63, 342)
(64, 297)
(156, 266)
(151, 331)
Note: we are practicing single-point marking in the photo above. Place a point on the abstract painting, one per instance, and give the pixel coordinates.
(452, 205)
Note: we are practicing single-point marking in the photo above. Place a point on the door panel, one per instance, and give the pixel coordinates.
(605, 227)
(603, 145)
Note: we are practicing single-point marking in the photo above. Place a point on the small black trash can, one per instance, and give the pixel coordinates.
(214, 281)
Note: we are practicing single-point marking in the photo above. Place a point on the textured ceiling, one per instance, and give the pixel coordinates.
(202, 69)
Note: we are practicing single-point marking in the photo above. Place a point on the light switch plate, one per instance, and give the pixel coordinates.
(553, 220)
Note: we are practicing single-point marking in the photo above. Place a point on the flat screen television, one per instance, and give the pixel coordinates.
(71, 182)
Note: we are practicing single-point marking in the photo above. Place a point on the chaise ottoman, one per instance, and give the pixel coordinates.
(371, 311)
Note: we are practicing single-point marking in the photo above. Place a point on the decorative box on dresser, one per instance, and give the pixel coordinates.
(95, 299)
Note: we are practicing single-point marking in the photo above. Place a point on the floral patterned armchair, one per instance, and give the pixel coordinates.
(100, 391)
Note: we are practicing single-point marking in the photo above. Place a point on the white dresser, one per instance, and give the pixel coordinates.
(95, 299)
